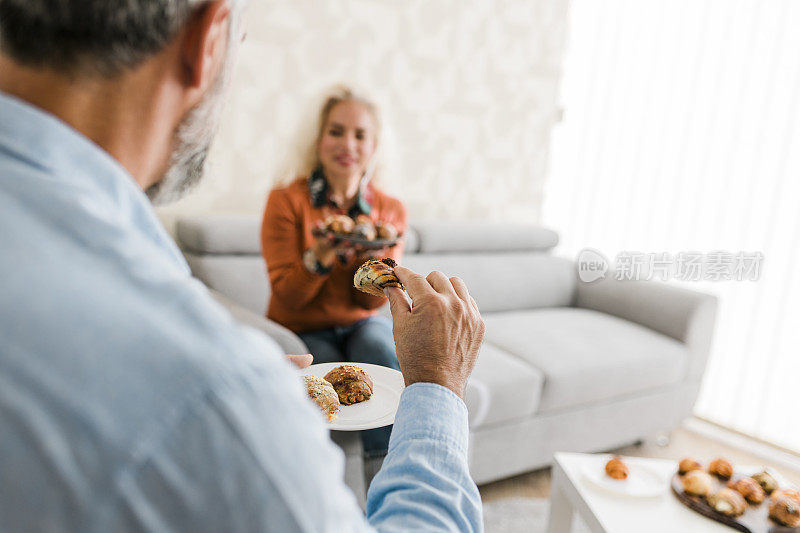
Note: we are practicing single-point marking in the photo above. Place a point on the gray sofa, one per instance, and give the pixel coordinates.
(566, 365)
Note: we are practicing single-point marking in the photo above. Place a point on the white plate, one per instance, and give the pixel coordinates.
(379, 410)
(642, 481)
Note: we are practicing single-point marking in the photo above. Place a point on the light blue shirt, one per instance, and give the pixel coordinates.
(131, 401)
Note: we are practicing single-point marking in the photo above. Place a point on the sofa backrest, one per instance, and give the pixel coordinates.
(506, 266)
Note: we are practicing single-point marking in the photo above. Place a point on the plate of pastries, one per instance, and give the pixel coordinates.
(362, 230)
(753, 502)
(354, 396)
(616, 475)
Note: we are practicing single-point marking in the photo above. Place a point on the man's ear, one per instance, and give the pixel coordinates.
(204, 44)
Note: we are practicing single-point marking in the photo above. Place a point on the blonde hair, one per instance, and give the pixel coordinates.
(304, 158)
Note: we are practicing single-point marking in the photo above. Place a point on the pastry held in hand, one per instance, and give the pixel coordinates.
(374, 276)
(616, 469)
(324, 394)
(351, 383)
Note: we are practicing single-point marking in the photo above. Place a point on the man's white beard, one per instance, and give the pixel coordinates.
(193, 137)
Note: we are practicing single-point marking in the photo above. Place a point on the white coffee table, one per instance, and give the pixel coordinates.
(605, 512)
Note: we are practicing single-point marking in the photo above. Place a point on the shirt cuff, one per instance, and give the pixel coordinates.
(432, 412)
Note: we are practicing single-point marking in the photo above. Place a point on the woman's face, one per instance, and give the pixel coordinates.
(348, 140)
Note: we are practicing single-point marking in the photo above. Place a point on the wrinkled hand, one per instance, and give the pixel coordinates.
(300, 361)
(439, 334)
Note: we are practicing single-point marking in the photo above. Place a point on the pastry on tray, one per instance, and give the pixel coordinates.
(365, 231)
(767, 482)
(687, 465)
(785, 510)
(748, 488)
(351, 383)
(322, 392)
(727, 502)
(374, 276)
(385, 231)
(697, 483)
(720, 468)
(791, 493)
(339, 224)
(616, 468)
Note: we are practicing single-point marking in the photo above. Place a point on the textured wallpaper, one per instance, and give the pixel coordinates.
(468, 88)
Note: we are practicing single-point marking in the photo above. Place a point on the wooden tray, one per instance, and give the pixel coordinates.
(754, 520)
(375, 244)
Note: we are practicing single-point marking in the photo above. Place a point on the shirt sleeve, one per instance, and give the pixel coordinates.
(425, 484)
(289, 279)
(256, 456)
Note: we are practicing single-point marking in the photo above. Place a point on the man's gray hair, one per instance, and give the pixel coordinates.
(102, 37)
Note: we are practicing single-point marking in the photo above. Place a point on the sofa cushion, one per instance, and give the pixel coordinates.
(501, 388)
(505, 281)
(587, 356)
(242, 278)
(220, 233)
(482, 237)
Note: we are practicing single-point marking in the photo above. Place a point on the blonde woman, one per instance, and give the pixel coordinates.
(312, 288)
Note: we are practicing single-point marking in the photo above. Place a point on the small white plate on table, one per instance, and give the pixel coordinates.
(379, 410)
(642, 481)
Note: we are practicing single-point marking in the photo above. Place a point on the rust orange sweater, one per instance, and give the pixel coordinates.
(303, 300)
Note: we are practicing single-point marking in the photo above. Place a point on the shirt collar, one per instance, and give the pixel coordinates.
(42, 140)
(320, 194)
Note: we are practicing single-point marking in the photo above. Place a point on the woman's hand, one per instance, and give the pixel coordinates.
(324, 249)
(300, 361)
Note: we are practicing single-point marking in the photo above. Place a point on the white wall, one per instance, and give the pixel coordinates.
(469, 87)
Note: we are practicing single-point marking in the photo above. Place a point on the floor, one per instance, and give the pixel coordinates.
(683, 442)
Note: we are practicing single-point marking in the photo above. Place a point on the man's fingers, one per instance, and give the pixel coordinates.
(461, 288)
(440, 282)
(397, 301)
(301, 360)
(415, 284)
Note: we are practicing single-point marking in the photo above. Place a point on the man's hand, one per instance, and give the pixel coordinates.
(300, 361)
(439, 334)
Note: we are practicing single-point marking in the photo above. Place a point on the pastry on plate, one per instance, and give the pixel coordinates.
(767, 482)
(720, 468)
(748, 488)
(339, 224)
(687, 465)
(323, 393)
(697, 483)
(785, 511)
(385, 231)
(616, 468)
(374, 276)
(351, 383)
(728, 502)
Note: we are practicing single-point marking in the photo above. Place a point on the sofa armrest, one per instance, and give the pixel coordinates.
(685, 315)
(286, 339)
